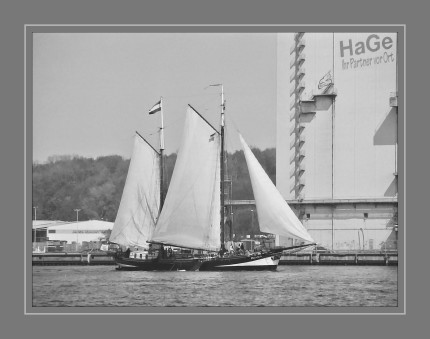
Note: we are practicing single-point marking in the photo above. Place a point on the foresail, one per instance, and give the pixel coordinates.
(138, 210)
(191, 213)
(274, 214)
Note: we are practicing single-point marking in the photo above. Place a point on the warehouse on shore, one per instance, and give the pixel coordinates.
(70, 232)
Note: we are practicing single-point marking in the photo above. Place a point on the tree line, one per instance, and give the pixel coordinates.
(65, 183)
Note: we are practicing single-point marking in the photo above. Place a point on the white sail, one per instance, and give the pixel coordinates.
(191, 212)
(140, 201)
(274, 214)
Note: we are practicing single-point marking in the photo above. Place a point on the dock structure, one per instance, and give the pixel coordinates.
(84, 259)
(66, 259)
(375, 259)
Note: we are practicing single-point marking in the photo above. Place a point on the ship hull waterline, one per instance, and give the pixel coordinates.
(237, 263)
(228, 263)
(132, 264)
(269, 262)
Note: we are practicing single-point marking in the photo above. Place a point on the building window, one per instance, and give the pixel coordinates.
(308, 215)
(366, 215)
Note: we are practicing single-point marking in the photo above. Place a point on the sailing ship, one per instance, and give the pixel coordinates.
(193, 212)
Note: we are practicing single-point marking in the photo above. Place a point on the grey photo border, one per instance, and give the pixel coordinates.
(30, 29)
(15, 14)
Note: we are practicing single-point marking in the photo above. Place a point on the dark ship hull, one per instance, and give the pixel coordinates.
(157, 264)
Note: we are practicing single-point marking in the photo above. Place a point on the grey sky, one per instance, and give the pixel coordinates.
(93, 90)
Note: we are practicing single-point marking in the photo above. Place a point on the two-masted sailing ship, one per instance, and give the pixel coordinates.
(184, 230)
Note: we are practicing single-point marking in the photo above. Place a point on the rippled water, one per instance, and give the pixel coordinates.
(288, 286)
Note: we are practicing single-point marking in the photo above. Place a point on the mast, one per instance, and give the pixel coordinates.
(222, 168)
(162, 195)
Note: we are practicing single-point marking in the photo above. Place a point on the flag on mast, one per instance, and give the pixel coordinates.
(155, 108)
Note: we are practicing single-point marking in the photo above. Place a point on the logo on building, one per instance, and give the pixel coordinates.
(352, 52)
(325, 81)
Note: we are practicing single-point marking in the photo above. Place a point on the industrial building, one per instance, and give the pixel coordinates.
(337, 140)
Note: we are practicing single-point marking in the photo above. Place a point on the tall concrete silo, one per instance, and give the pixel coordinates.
(337, 137)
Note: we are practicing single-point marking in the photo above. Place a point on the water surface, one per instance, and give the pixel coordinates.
(100, 286)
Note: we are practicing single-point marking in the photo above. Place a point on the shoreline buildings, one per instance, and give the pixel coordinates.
(337, 139)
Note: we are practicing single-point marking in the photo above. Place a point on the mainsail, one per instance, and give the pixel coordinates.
(138, 210)
(191, 213)
(274, 214)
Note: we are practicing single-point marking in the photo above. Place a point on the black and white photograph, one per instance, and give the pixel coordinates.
(199, 170)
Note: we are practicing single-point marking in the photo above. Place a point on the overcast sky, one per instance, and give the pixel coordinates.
(91, 91)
